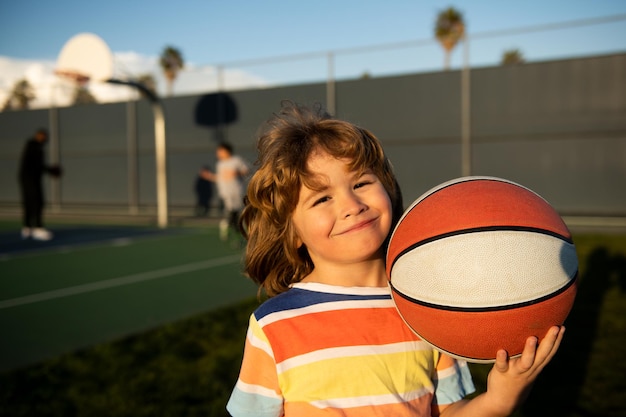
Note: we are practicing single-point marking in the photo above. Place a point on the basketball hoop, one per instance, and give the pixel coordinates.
(77, 78)
(86, 57)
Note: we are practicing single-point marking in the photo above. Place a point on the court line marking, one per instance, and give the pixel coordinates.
(77, 246)
(120, 281)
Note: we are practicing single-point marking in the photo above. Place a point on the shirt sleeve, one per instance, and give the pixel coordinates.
(256, 393)
(453, 381)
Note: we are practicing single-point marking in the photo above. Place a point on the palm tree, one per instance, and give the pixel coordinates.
(20, 97)
(512, 57)
(449, 29)
(171, 62)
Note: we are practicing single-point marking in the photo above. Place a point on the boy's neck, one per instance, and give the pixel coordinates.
(364, 274)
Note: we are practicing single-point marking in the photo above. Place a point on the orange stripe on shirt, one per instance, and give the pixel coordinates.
(255, 359)
(323, 330)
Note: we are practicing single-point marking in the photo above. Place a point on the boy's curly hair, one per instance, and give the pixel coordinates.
(285, 143)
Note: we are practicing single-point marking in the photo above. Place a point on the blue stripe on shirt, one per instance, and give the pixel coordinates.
(298, 298)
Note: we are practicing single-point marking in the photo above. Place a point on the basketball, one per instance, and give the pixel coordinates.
(479, 264)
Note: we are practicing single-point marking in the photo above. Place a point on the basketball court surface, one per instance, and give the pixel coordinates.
(94, 284)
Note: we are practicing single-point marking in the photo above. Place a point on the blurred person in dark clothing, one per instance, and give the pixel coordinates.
(204, 191)
(31, 171)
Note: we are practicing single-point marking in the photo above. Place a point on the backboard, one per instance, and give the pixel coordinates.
(85, 57)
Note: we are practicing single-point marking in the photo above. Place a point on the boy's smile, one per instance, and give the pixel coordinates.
(361, 225)
(346, 219)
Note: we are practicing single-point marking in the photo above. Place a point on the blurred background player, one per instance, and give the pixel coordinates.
(230, 171)
(32, 168)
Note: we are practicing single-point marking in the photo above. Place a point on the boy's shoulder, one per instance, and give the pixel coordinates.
(291, 299)
(308, 295)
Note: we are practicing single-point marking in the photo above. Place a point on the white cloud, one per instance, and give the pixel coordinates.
(52, 90)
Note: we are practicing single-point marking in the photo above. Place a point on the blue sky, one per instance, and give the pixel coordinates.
(222, 31)
(217, 32)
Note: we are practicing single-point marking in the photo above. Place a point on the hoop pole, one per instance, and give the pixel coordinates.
(161, 168)
(159, 145)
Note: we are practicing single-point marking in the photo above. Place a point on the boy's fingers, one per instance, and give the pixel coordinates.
(535, 355)
(502, 361)
(550, 344)
(527, 359)
(548, 347)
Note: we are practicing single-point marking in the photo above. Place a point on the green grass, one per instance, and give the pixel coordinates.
(186, 368)
(189, 367)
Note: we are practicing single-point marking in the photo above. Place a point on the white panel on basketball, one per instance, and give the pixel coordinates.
(497, 268)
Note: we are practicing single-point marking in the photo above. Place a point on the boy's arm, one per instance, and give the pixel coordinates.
(510, 380)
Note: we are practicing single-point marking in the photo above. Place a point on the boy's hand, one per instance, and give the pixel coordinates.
(510, 380)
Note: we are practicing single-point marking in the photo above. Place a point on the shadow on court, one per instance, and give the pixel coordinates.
(67, 237)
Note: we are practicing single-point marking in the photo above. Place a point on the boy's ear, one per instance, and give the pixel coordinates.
(297, 242)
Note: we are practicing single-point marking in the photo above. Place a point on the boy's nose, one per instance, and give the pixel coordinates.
(353, 206)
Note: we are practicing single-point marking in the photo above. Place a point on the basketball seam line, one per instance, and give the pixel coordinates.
(458, 181)
(487, 309)
(476, 230)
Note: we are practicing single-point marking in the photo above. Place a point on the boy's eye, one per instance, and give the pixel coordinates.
(364, 179)
(321, 200)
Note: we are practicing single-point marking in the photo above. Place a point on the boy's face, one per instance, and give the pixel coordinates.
(348, 220)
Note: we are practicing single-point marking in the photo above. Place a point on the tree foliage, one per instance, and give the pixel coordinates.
(512, 57)
(449, 29)
(171, 63)
(20, 97)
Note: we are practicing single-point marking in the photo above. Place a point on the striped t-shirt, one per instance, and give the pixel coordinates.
(323, 350)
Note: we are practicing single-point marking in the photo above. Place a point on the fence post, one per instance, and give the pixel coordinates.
(466, 145)
(131, 157)
(55, 158)
(330, 85)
